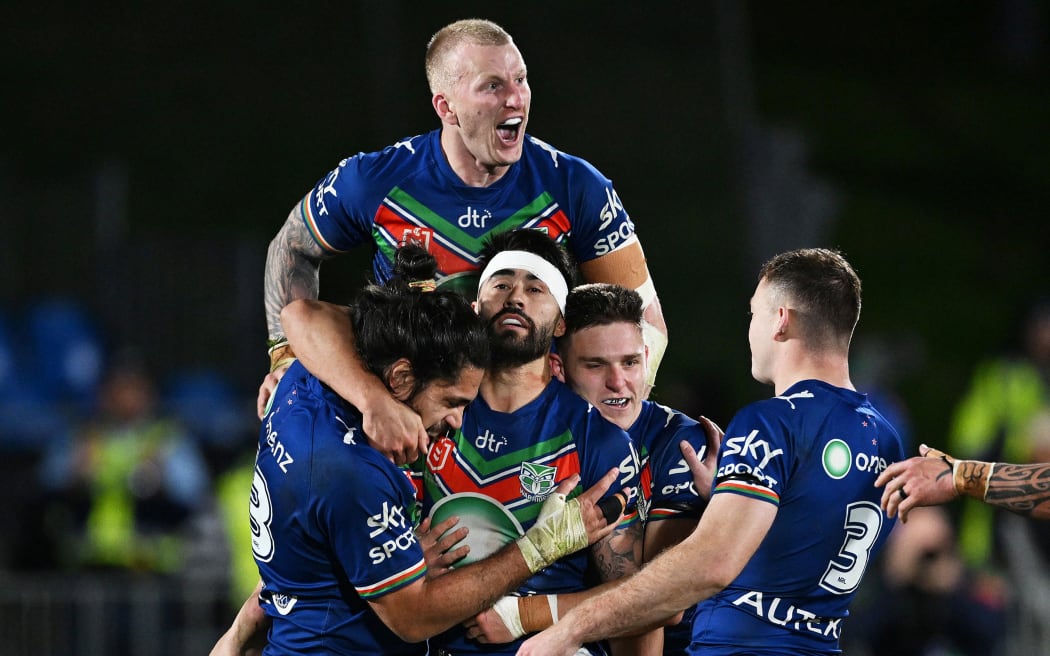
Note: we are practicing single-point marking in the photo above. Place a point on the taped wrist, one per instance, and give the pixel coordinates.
(971, 477)
(559, 531)
(537, 612)
(508, 610)
(281, 354)
(656, 342)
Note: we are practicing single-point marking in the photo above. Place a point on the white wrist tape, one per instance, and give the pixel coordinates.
(647, 290)
(559, 531)
(552, 601)
(507, 609)
(656, 342)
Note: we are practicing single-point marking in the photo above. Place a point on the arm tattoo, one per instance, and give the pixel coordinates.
(293, 262)
(1023, 489)
(619, 554)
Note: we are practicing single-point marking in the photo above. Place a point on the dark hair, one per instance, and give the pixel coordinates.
(530, 241)
(600, 304)
(824, 288)
(438, 332)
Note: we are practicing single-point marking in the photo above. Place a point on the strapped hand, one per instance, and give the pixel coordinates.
(564, 527)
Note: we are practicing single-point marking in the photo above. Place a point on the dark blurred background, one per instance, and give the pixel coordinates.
(151, 150)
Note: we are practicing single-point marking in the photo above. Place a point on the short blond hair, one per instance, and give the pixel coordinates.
(477, 31)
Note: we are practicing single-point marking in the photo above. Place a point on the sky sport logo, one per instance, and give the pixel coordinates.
(837, 458)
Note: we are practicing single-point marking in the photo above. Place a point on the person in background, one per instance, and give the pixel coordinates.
(131, 480)
(924, 600)
(994, 421)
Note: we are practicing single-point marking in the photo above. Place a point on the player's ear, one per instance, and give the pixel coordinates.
(783, 322)
(557, 367)
(400, 379)
(444, 110)
(559, 328)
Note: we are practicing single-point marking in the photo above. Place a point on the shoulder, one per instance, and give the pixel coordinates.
(398, 159)
(542, 154)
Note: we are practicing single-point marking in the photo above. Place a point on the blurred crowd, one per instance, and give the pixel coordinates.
(116, 470)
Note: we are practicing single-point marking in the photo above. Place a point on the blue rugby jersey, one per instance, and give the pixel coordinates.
(667, 487)
(332, 526)
(409, 192)
(498, 468)
(814, 452)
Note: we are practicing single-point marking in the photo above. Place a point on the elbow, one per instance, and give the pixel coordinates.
(720, 578)
(296, 314)
(411, 629)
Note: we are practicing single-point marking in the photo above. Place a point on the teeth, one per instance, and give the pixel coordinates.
(511, 322)
(619, 403)
(511, 123)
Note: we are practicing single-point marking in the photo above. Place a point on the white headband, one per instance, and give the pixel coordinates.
(535, 265)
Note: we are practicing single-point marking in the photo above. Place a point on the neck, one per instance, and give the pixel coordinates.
(830, 368)
(507, 390)
(465, 165)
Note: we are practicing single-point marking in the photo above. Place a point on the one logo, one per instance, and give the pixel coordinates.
(419, 236)
(284, 603)
(537, 481)
(836, 459)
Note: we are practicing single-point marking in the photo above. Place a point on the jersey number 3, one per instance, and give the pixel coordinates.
(862, 525)
(260, 512)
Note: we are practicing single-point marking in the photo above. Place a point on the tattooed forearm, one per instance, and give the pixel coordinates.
(292, 265)
(619, 554)
(1023, 489)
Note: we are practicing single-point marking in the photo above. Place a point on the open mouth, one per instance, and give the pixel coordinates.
(620, 402)
(508, 130)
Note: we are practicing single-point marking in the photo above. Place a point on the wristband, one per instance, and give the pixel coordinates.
(537, 612)
(283, 362)
(508, 611)
(972, 477)
(281, 354)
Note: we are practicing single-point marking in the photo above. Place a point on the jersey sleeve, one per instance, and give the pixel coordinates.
(600, 223)
(674, 495)
(340, 209)
(754, 460)
(370, 522)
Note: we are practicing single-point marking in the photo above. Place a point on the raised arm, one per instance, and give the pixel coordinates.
(293, 261)
(322, 336)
